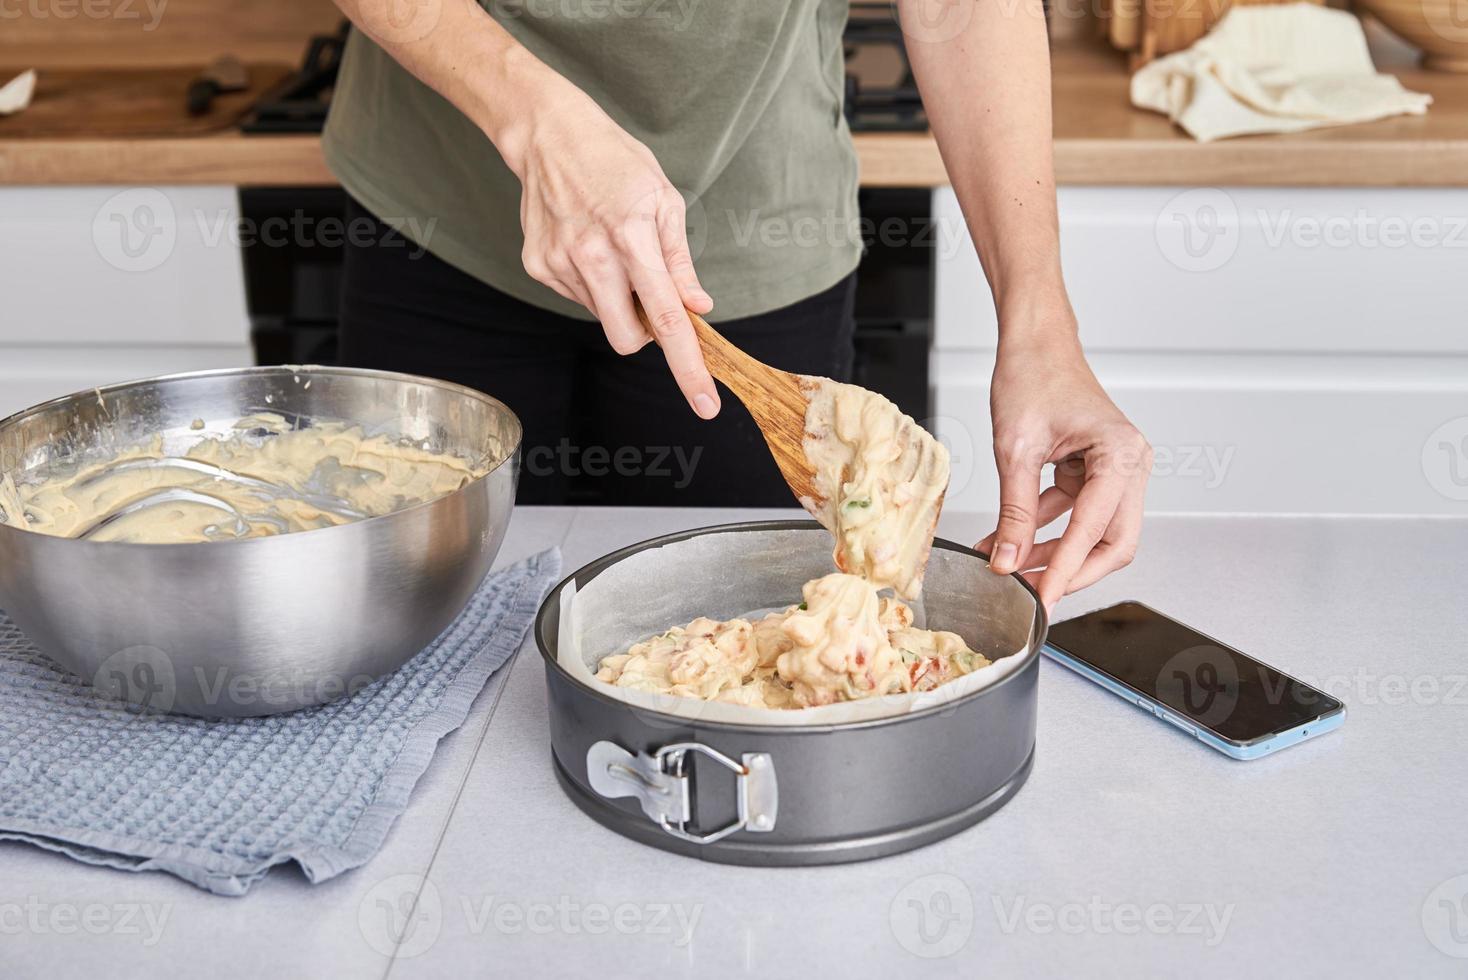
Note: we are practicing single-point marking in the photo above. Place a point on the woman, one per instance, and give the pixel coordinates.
(559, 158)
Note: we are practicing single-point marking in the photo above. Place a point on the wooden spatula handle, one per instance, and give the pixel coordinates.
(776, 399)
(742, 373)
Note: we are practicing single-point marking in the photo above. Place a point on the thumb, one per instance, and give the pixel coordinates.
(1019, 502)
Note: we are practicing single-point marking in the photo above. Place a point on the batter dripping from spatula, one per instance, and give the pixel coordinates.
(879, 480)
(881, 477)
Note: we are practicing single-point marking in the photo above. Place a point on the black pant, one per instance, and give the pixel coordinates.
(599, 427)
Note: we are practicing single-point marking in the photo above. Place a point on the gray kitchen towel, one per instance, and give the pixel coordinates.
(218, 803)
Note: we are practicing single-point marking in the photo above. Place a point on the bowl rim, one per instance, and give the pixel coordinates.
(1039, 630)
(266, 369)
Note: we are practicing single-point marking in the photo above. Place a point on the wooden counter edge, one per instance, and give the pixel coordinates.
(887, 160)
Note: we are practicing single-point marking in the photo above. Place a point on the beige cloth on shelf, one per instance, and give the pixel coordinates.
(1273, 69)
(16, 94)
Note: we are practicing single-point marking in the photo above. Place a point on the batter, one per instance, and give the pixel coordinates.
(881, 477)
(266, 478)
(843, 643)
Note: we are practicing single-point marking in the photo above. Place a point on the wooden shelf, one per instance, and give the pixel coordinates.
(1099, 139)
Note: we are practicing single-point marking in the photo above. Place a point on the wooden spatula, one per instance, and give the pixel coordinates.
(776, 399)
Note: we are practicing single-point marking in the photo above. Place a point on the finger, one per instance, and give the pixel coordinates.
(1095, 508)
(1040, 555)
(673, 233)
(1119, 545)
(612, 296)
(568, 283)
(1019, 503)
(565, 291)
(670, 327)
(1053, 503)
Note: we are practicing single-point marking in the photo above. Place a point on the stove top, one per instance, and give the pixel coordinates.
(881, 95)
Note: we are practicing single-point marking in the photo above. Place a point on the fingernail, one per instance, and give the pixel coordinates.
(1004, 557)
(705, 406)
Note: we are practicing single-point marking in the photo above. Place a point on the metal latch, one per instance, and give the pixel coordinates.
(660, 782)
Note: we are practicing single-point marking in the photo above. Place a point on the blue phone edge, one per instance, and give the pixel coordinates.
(1243, 751)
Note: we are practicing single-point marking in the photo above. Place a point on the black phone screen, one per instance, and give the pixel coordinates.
(1221, 689)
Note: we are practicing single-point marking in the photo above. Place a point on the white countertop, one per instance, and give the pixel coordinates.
(1133, 849)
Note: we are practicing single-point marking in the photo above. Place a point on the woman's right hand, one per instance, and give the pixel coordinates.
(603, 222)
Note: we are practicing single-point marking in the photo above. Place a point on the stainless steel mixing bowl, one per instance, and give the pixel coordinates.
(253, 627)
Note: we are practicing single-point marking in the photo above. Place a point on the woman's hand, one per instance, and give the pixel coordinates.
(602, 222)
(1048, 407)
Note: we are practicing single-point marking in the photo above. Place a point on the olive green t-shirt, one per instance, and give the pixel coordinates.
(740, 100)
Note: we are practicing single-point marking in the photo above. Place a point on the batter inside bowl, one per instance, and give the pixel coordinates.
(843, 643)
(882, 479)
(267, 477)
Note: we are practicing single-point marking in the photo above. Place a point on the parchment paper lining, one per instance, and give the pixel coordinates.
(727, 574)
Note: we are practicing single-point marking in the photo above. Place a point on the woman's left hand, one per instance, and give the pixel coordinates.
(1048, 407)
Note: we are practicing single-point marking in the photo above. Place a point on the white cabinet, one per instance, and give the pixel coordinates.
(105, 284)
(1285, 350)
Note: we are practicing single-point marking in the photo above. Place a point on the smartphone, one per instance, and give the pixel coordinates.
(1240, 706)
